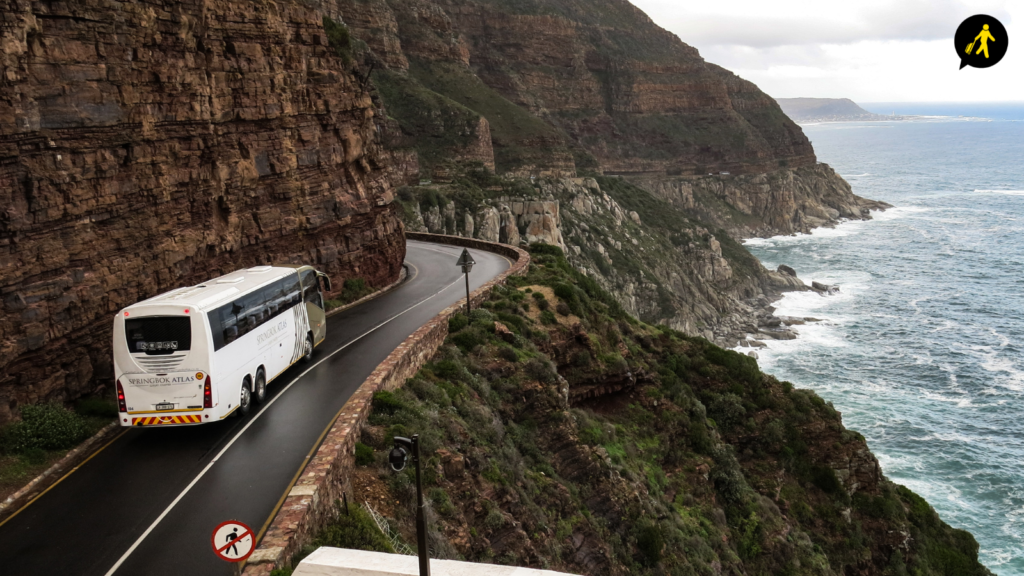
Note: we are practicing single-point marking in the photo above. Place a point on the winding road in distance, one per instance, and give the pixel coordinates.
(148, 502)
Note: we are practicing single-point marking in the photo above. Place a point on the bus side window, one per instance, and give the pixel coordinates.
(292, 292)
(276, 297)
(309, 285)
(254, 310)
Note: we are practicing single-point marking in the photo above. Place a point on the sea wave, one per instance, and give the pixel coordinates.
(1002, 192)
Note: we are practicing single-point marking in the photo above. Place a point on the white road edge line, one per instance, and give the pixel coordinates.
(254, 418)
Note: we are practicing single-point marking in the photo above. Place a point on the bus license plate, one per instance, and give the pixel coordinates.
(165, 406)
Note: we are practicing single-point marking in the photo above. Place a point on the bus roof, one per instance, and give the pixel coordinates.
(218, 290)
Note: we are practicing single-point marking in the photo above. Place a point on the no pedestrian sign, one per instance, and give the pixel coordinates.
(233, 541)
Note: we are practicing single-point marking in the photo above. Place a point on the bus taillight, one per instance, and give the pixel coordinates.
(207, 394)
(121, 406)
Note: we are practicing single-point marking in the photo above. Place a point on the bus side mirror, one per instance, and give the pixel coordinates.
(326, 279)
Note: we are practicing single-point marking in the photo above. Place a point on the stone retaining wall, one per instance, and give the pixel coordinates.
(310, 503)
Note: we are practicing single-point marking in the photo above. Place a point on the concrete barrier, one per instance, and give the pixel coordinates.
(341, 562)
(310, 502)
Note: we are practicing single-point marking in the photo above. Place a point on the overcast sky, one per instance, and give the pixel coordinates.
(866, 50)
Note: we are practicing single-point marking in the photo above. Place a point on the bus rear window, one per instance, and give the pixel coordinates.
(158, 334)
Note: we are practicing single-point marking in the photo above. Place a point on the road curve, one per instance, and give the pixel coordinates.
(149, 502)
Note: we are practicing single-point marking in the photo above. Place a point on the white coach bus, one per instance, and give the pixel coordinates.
(198, 354)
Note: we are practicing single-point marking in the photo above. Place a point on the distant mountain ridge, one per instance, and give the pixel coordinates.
(827, 109)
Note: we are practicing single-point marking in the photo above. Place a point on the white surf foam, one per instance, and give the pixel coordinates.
(1001, 192)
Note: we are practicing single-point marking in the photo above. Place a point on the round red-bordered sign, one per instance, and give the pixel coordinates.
(233, 541)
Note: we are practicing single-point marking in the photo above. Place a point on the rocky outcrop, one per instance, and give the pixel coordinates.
(783, 201)
(506, 220)
(154, 144)
(674, 272)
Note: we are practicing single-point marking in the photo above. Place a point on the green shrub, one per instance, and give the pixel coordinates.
(541, 370)
(354, 289)
(538, 296)
(448, 369)
(338, 39)
(548, 317)
(540, 249)
(45, 427)
(565, 292)
(364, 454)
(508, 353)
(740, 366)
(387, 403)
(516, 323)
(457, 322)
(495, 519)
(468, 340)
(825, 478)
(355, 530)
(651, 542)
(886, 506)
(442, 503)
(727, 409)
(750, 537)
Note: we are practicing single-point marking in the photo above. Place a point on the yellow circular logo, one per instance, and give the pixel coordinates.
(199, 375)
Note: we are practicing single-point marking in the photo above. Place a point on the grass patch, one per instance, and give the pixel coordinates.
(44, 435)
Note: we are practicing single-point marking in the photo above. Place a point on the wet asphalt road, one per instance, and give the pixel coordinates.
(153, 479)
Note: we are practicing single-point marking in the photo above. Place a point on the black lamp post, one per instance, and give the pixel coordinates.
(466, 261)
(398, 457)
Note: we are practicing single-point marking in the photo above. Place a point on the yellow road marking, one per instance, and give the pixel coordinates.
(70, 472)
(305, 462)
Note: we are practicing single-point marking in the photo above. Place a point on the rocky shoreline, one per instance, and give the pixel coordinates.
(761, 324)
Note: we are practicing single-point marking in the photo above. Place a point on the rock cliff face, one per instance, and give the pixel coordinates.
(594, 86)
(767, 204)
(153, 144)
(623, 94)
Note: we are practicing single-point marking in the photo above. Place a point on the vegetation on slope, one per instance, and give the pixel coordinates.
(559, 432)
(45, 434)
(434, 125)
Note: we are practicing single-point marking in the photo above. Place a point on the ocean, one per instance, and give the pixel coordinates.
(921, 350)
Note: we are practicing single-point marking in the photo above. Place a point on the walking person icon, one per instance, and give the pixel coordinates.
(231, 538)
(233, 541)
(984, 36)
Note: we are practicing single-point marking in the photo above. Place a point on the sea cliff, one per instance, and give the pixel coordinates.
(150, 145)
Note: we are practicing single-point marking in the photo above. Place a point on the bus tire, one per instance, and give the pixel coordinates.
(308, 349)
(260, 390)
(245, 399)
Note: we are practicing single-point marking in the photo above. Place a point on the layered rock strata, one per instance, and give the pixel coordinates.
(681, 277)
(626, 95)
(154, 144)
(785, 201)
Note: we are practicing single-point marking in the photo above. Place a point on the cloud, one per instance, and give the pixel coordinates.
(866, 50)
(796, 25)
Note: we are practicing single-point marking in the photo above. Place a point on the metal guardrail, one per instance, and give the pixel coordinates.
(393, 537)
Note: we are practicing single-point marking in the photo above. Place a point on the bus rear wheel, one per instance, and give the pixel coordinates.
(245, 400)
(307, 349)
(261, 386)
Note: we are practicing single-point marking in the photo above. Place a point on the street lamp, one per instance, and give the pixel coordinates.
(398, 457)
(466, 261)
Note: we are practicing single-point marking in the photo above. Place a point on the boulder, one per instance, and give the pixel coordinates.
(825, 288)
(504, 333)
(783, 269)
